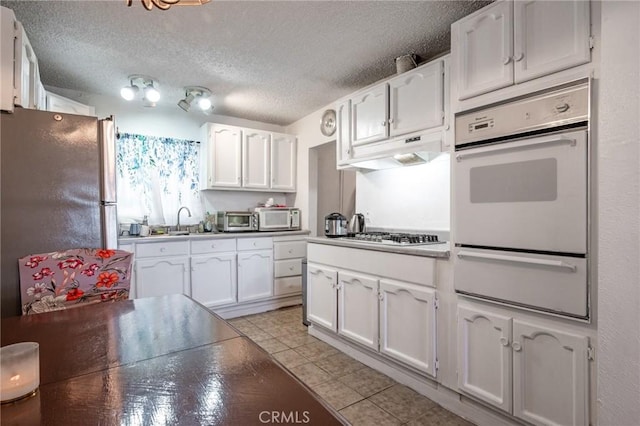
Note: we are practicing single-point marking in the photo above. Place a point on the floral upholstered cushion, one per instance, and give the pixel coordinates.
(70, 278)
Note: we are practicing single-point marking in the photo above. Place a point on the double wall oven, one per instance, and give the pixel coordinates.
(521, 199)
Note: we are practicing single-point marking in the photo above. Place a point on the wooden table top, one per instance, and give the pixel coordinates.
(164, 360)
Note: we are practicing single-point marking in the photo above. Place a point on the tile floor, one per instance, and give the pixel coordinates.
(362, 395)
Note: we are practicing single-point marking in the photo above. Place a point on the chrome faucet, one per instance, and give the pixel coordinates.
(180, 210)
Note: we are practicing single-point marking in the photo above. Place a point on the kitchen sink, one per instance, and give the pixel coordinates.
(178, 233)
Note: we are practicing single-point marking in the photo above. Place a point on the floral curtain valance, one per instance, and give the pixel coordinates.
(156, 176)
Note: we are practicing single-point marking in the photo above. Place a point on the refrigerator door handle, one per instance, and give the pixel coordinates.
(107, 144)
(109, 218)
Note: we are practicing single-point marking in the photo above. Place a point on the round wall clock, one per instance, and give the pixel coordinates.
(328, 122)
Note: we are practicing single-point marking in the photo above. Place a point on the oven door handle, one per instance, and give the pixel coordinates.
(516, 259)
(539, 143)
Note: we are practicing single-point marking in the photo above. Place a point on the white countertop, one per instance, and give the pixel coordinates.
(427, 250)
(215, 235)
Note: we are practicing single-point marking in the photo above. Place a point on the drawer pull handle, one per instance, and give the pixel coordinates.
(291, 268)
(290, 251)
(516, 259)
(162, 249)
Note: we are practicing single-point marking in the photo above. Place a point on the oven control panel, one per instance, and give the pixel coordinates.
(544, 110)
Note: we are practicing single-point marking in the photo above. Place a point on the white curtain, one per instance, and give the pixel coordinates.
(157, 176)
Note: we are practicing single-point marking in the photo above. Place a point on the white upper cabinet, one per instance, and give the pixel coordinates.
(283, 162)
(247, 159)
(255, 159)
(369, 112)
(221, 155)
(57, 103)
(416, 100)
(511, 42)
(484, 50)
(550, 36)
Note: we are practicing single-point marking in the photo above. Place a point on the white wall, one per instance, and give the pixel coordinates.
(410, 198)
(618, 237)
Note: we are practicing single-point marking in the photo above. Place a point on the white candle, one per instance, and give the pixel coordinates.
(19, 370)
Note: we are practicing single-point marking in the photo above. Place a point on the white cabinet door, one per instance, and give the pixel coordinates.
(358, 308)
(550, 36)
(213, 279)
(225, 156)
(369, 112)
(484, 356)
(322, 297)
(416, 100)
(408, 324)
(485, 50)
(549, 376)
(283, 162)
(159, 277)
(255, 275)
(255, 159)
(343, 133)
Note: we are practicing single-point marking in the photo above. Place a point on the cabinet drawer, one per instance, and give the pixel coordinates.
(171, 248)
(213, 246)
(287, 268)
(255, 243)
(289, 249)
(287, 285)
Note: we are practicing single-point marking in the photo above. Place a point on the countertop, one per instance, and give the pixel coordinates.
(220, 235)
(440, 250)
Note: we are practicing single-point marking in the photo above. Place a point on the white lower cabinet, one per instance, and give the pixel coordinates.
(322, 297)
(213, 279)
(534, 372)
(358, 308)
(162, 276)
(255, 275)
(394, 318)
(408, 324)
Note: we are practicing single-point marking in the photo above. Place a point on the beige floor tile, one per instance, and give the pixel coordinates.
(337, 394)
(310, 374)
(365, 413)
(316, 350)
(367, 381)
(289, 358)
(339, 365)
(242, 325)
(256, 334)
(438, 416)
(294, 340)
(402, 402)
(272, 345)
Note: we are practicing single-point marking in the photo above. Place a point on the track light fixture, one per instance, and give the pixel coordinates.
(201, 95)
(149, 87)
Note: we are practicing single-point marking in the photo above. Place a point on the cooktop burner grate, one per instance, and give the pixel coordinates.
(399, 239)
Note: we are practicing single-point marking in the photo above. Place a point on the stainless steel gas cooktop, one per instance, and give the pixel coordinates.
(394, 239)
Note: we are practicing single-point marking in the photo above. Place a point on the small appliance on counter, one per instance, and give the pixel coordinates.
(356, 224)
(277, 218)
(335, 225)
(236, 221)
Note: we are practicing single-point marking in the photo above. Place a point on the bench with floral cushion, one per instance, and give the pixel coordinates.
(71, 278)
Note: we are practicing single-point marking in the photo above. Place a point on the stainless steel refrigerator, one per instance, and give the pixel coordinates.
(57, 182)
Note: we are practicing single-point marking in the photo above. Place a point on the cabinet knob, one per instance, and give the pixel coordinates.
(516, 346)
(291, 268)
(504, 341)
(384, 123)
(519, 57)
(506, 60)
(162, 249)
(562, 107)
(391, 121)
(290, 251)
(213, 246)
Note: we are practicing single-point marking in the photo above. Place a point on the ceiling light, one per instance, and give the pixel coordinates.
(151, 95)
(166, 4)
(199, 94)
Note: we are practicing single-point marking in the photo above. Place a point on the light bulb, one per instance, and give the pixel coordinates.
(128, 92)
(151, 94)
(204, 103)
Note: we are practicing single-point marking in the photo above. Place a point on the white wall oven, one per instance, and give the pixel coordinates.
(521, 199)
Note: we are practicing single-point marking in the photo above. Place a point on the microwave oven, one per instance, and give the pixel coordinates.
(236, 221)
(278, 218)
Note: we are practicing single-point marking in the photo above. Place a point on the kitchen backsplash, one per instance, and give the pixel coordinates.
(409, 198)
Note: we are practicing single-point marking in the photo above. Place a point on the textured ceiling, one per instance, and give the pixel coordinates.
(267, 61)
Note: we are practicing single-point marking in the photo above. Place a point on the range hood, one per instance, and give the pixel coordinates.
(400, 152)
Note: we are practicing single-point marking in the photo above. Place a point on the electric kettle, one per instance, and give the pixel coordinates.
(356, 224)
